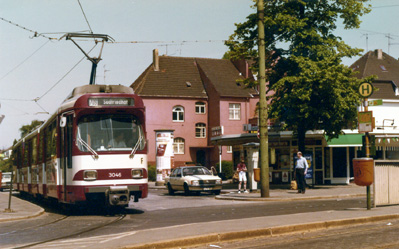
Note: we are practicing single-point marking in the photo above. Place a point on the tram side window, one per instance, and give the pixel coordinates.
(34, 150)
(40, 147)
(51, 148)
(26, 154)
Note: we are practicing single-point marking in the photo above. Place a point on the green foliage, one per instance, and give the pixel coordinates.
(6, 165)
(227, 169)
(310, 88)
(152, 175)
(26, 129)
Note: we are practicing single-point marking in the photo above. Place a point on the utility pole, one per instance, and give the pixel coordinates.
(263, 129)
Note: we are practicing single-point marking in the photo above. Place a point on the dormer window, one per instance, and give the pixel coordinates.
(188, 84)
(383, 68)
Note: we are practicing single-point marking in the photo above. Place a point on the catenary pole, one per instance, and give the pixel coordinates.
(264, 147)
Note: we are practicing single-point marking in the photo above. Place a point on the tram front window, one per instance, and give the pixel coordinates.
(109, 132)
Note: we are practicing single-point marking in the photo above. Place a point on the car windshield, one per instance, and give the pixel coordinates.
(196, 171)
(109, 132)
(6, 176)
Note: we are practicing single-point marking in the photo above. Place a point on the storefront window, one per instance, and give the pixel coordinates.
(327, 156)
(339, 162)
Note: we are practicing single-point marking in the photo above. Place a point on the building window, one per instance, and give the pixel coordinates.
(178, 114)
(229, 149)
(200, 108)
(200, 130)
(234, 111)
(178, 145)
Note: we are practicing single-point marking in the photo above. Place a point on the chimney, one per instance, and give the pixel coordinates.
(155, 59)
(379, 54)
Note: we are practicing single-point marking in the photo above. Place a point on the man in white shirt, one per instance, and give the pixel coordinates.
(301, 168)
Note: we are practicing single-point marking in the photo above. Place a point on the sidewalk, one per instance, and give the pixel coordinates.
(20, 209)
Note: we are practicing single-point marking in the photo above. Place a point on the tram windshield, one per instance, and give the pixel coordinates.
(109, 133)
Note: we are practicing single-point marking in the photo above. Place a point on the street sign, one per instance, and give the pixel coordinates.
(365, 120)
(375, 102)
(365, 89)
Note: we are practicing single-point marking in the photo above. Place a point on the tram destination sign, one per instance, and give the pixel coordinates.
(111, 102)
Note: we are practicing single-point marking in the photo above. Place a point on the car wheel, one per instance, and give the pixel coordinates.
(170, 190)
(216, 192)
(186, 189)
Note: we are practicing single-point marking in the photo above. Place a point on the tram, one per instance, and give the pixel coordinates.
(92, 150)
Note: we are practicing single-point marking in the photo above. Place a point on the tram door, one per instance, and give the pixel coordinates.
(66, 124)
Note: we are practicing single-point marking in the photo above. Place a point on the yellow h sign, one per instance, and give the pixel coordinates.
(365, 89)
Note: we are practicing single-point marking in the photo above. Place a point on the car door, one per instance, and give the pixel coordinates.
(175, 180)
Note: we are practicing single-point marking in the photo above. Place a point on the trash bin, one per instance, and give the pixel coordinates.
(257, 174)
(363, 171)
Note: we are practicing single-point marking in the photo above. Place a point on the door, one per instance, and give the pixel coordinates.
(66, 124)
(201, 158)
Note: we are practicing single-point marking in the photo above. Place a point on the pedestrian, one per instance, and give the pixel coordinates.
(242, 176)
(301, 168)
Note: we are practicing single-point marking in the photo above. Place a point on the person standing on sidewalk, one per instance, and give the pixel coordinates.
(242, 176)
(301, 168)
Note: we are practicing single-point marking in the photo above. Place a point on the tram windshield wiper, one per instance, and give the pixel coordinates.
(87, 146)
(136, 146)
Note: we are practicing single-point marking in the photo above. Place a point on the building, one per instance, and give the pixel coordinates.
(197, 98)
(331, 161)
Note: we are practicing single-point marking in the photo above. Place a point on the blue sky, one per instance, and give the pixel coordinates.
(35, 67)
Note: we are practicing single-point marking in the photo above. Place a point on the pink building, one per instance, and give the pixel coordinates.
(195, 97)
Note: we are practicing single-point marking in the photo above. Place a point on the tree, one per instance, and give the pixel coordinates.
(311, 87)
(26, 129)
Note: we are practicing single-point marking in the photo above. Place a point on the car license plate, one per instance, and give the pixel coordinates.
(207, 188)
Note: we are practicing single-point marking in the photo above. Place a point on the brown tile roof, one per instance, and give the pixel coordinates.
(387, 70)
(180, 77)
(223, 75)
(177, 77)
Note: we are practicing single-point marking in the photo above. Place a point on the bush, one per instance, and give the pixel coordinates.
(152, 175)
(227, 169)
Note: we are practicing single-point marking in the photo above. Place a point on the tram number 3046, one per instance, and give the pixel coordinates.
(115, 175)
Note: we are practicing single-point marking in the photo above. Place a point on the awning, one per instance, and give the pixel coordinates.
(347, 140)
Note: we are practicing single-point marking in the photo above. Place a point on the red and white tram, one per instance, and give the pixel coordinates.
(93, 149)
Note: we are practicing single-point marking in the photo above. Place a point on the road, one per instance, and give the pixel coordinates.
(373, 235)
(157, 211)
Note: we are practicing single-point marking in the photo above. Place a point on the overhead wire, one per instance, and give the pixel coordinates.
(27, 58)
(51, 88)
(84, 14)
(36, 34)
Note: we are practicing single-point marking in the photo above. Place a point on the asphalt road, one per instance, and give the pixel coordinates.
(374, 235)
(158, 210)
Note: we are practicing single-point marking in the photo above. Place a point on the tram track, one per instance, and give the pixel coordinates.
(59, 229)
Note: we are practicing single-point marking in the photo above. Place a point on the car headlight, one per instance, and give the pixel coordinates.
(137, 173)
(219, 181)
(90, 175)
(195, 183)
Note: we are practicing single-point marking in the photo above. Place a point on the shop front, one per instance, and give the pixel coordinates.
(330, 162)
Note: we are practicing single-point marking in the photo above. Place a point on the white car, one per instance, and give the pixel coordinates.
(193, 179)
(5, 181)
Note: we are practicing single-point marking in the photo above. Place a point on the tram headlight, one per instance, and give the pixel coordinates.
(90, 175)
(137, 173)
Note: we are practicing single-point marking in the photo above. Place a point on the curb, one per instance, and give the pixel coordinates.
(305, 198)
(40, 212)
(269, 232)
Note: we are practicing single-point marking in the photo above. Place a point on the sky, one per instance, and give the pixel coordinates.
(37, 73)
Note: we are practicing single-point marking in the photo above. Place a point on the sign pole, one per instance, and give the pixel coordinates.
(367, 155)
(365, 90)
